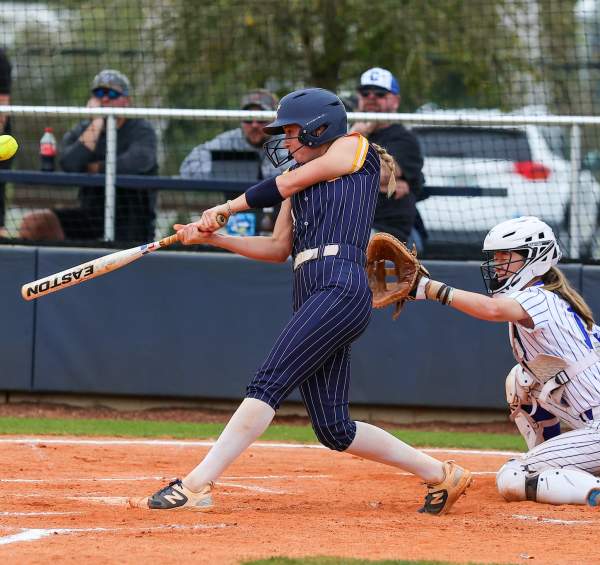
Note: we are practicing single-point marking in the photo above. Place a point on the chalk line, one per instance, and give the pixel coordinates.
(553, 520)
(33, 534)
(196, 443)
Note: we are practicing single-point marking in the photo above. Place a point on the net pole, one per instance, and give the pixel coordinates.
(576, 214)
(110, 175)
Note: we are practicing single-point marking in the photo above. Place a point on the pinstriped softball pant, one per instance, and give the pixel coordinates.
(332, 307)
(576, 449)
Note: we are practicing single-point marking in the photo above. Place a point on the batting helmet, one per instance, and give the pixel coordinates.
(532, 239)
(311, 109)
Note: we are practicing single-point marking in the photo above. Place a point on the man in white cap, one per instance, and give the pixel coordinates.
(83, 150)
(379, 91)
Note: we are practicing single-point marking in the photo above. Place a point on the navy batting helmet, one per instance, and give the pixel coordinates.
(311, 109)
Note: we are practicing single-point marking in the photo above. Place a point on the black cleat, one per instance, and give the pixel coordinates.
(175, 496)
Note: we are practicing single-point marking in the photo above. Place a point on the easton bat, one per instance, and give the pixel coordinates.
(96, 267)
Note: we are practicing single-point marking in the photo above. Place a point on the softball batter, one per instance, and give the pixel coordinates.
(327, 207)
(557, 379)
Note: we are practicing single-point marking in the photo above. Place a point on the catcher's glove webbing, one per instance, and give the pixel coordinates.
(406, 268)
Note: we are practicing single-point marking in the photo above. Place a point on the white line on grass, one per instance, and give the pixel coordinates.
(192, 443)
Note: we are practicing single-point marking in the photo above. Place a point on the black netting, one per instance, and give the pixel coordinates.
(505, 56)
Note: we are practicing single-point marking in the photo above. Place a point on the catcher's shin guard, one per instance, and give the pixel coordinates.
(550, 486)
(175, 496)
(441, 496)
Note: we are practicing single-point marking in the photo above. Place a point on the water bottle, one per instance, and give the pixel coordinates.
(266, 222)
(48, 150)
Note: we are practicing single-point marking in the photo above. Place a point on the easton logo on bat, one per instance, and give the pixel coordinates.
(58, 281)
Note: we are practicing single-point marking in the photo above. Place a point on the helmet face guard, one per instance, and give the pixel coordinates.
(533, 252)
(499, 275)
(277, 153)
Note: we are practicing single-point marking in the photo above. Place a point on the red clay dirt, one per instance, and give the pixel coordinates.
(68, 498)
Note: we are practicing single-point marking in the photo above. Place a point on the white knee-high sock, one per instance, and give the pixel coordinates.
(249, 421)
(378, 445)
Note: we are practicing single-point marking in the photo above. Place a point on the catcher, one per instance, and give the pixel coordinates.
(556, 344)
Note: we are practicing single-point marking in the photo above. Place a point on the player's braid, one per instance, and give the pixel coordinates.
(387, 160)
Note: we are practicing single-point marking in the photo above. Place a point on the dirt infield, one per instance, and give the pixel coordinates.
(64, 500)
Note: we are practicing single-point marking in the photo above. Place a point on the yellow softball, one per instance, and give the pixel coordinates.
(8, 147)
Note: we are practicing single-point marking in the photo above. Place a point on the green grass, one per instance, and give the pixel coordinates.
(344, 561)
(187, 430)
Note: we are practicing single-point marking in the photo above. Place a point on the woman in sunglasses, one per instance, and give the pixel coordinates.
(327, 204)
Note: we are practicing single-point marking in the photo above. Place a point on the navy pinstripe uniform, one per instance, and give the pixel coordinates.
(331, 298)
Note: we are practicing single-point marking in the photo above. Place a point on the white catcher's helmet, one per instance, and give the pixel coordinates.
(531, 238)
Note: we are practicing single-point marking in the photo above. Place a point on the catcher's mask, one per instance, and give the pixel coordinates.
(536, 250)
(320, 114)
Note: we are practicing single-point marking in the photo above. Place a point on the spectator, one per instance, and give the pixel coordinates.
(379, 91)
(236, 154)
(83, 150)
(5, 83)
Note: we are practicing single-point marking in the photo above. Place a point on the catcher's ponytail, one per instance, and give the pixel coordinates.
(555, 281)
(387, 160)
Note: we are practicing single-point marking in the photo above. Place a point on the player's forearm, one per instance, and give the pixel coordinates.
(477, 305)
(268, 249)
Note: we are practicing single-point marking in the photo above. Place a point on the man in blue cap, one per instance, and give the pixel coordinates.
(379, 91)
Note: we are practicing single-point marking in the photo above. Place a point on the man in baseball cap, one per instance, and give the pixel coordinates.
(236, 154)
(83, 150)
(259, 99)
(379, 80)
(379, 91)
(110, 78)
(224, 156)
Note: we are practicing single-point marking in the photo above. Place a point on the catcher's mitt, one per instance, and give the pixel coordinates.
(407, 269)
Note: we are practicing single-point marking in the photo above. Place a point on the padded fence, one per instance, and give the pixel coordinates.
(198, 325)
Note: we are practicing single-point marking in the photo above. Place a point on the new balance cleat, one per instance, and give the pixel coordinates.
(441, 496)
(175, 496)
(593, 498)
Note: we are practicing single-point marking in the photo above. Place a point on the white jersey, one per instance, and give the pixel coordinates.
(559, 331)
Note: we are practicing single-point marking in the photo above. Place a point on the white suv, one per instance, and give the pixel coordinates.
(510, 172)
